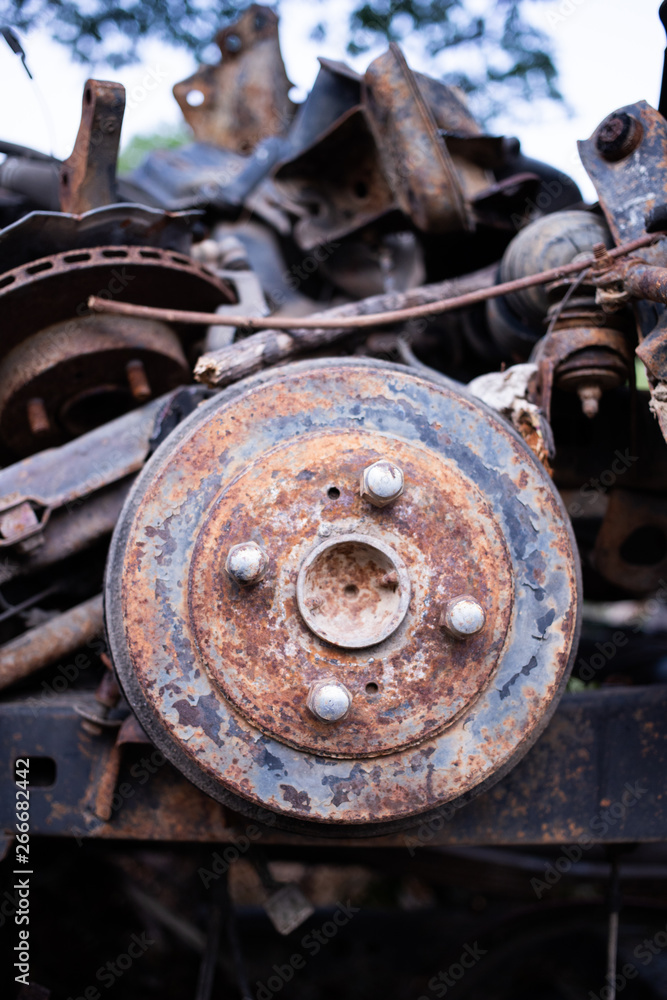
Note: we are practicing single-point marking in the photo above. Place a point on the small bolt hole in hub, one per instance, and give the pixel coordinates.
(333, 492)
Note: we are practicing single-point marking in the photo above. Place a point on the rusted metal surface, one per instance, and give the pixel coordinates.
(336, 90)
(50, 642)
(636, 183)
(376, 661)
(79, 370)
(75, 364)
(242, 100)
(423, 681)
(595, 743)
(88, 175)
(64, 477)
(643, 281)
(42, 234)
(342, 597)
(618, 136)
(63, 372)
(28, 302)
(582, 350)
(335, 194)
(414, 156)
(174, 643)
(627, 161)
(69, 531)
(631, 188)
(628, 547)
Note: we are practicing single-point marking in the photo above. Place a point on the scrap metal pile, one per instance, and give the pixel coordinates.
(297, 497)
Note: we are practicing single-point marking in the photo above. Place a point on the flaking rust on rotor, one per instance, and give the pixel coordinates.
(174, 623)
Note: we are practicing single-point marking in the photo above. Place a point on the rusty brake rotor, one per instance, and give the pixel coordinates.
(295, 639)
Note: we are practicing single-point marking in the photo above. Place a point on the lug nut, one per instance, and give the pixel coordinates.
(463, 617)
(381, 483)
(246, 563)
(329, 701)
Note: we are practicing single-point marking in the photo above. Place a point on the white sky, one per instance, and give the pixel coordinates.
(609, 53)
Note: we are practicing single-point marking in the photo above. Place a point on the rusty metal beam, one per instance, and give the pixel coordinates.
(568, 786)
(88, 175)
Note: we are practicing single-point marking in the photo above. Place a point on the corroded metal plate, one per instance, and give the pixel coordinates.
(219, 674)
(418, 679)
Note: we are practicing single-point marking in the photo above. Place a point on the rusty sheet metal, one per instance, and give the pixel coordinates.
(336, 185)
(244, 96)
(55, 478)
(88, 175)
(51, 641)
(630, 185)
(626, 158)
(413, 154)
(451, 113)
(150, 800)
(156, 592)
(69, 531)
(41, 234)
(595, 745)
(336, 90)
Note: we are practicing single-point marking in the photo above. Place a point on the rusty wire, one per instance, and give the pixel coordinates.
(374, 319)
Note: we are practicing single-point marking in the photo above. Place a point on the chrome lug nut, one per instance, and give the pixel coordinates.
(246, 563)
(463, 617)
(329, 701)
(381, 483)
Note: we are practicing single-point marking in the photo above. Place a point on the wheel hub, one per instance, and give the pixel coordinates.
(438, 625)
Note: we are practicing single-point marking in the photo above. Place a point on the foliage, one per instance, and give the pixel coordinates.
(500, 46)
(139, 145)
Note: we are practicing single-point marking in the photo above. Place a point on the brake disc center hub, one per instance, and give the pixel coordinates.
(353, 591)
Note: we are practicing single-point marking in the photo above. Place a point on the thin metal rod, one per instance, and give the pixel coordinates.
(357, 322)
(210, 957)
(612, 938)
(16, 609)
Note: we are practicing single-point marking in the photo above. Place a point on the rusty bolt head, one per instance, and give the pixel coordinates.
(381, 483)
(246, 563)
(329, 701)
(618, 136)
(463, 617)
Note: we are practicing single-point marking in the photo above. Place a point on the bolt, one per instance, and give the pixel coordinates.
(329, 701)
(246, 563)
(618, 136)
(463, 617)
(590, 395)
(602, 260)
(381, 483)
(138, 380)
(233, 43)
(38, 418)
